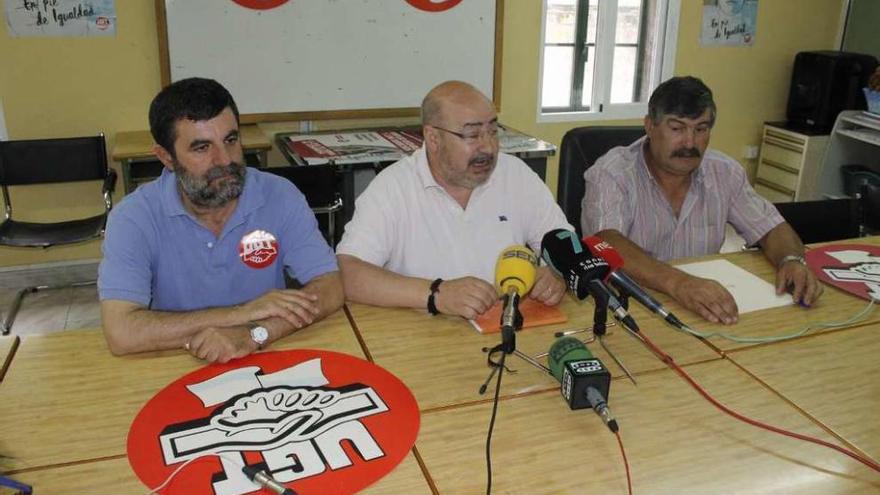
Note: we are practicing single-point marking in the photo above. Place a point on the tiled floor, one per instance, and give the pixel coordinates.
(54, 310)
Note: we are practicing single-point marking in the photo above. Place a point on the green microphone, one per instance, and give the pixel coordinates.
(584, 380)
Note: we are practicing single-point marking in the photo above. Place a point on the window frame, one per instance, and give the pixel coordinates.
(601, 108)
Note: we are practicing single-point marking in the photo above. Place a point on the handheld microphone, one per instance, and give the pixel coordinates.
(514, 278)
(624, 283)
(582, 271)
(584, 381)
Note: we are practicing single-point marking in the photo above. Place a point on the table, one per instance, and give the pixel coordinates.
(361, 153)
(822, 384)
(134, 152)
(8, 346)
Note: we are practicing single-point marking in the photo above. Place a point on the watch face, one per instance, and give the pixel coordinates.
(259, 334)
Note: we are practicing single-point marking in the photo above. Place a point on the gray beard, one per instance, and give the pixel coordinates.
(199, 191)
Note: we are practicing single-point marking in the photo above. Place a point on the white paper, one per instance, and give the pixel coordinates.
(750, 292)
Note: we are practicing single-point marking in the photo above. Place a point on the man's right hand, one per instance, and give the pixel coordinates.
(706, 297)
(466, 296)
(297, 307)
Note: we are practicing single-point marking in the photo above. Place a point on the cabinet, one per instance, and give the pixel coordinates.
(855, 139)
(789, 163)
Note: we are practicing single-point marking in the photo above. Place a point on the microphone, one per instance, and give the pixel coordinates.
(624, 283)
(584, 381)
(582, 271)
(514, 278)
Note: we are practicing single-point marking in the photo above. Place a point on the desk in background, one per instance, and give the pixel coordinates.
(358, 155)
(134, 152)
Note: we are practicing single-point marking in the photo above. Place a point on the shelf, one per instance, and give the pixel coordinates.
(865, 135)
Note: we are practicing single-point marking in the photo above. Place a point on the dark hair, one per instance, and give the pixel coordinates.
(685, 96)
(195, 99)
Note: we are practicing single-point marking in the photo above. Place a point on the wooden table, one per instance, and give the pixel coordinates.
(822, 384)
(134, 152)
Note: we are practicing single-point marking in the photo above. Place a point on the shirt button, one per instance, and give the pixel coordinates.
(210, 244)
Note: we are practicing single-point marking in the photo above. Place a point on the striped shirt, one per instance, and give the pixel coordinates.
(621, 194)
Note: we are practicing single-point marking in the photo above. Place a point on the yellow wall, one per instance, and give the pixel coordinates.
(54, 87)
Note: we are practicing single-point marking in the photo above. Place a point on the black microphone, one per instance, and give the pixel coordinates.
(584, 381)
(583, 272)
(624, 283)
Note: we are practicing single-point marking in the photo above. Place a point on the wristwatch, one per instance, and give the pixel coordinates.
(259, 334)
(792, 257)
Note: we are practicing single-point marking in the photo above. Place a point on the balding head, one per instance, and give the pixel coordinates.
(438, 103)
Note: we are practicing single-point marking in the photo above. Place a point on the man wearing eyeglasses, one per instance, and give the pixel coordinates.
(427, 230)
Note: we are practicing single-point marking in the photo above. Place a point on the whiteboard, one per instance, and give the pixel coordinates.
(330, 55)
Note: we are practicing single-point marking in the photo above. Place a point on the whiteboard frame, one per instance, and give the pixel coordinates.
(165, 72)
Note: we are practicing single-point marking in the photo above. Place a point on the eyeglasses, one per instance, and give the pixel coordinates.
(473, 133)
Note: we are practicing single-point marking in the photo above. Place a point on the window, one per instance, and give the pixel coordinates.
(602, 58)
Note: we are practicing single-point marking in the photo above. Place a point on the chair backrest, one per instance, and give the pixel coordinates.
(317, 182)
(580, 149)
(870, 194)
(823, 220)
(44, 161)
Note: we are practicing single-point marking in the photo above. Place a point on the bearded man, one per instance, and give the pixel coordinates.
(196, 259)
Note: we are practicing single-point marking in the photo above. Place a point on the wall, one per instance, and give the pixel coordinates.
(861, 28)
(74, 86)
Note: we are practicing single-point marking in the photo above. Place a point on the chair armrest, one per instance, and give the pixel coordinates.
(110, 181)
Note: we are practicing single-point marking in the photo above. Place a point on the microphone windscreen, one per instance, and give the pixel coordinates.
(561, 249)
(565, 349)
(605, 251)
(515, 269)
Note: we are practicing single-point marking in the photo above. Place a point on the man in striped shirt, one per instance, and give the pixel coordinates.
(667, 196)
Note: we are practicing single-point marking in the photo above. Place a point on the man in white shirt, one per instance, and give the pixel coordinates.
(427, 230)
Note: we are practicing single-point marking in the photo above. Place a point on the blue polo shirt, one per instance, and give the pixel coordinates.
(158, 255)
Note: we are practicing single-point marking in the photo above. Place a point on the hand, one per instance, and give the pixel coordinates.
(549, 287)
(706, 297)
(804, 286)
(466, 296)
(298, 307)
(221, 344)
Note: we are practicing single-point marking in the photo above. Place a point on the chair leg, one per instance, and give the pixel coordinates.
(16, 305)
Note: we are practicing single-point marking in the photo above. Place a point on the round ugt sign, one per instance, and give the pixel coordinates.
(433, 5)
(316, 421)
(260, 4)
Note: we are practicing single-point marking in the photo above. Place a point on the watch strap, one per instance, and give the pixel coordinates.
(432, 305)
(792, 257)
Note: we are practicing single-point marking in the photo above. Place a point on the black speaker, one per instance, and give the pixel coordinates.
(824, 83)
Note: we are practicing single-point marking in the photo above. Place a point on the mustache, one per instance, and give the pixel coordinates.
(481, 157)
(686, 153)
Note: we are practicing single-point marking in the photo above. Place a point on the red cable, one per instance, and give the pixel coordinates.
(666, 358)
(629, 484)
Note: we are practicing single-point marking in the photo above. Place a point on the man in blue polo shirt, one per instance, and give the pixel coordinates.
(196, 259)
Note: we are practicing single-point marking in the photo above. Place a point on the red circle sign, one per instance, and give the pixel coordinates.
(316, 421)
(260, 4)
(258, 249)
(433, 5)
(854, 268)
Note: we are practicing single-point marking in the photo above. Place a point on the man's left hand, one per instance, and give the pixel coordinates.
(805, 288)
(549, 287)
(222, 344)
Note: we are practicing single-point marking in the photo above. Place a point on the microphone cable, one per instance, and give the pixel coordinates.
(500, 367)
(667, 359)
(262, 478)
(861, 315)
(629, 485)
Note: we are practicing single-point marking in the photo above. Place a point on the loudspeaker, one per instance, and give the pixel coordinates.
(824, 83)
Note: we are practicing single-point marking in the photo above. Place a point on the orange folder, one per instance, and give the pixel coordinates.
(534, 313)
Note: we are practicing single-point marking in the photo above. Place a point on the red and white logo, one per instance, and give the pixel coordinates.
(316, 421)
(854, 268)
(258, 249)
(260, 4)
(102, 22)
(433, 5)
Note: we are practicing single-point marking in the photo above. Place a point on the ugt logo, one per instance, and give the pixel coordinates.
(294, 422)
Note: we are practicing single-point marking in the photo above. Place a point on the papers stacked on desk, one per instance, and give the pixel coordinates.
(353, 147)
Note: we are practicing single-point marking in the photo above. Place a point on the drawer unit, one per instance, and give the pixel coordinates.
(789, 164)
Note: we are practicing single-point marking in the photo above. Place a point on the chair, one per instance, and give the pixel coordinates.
(46, 161)
(319, 185)
(823, 220)
(580, 149)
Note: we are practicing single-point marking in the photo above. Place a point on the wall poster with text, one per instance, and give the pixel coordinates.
(729, 22)
(60, 18)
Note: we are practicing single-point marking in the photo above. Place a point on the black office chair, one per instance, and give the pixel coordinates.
(580, 149)
(319, 184)
(823, 220)
(47, 161)
(870, 206)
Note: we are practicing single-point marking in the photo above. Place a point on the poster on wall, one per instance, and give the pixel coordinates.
(729, 22)
(28, 18)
